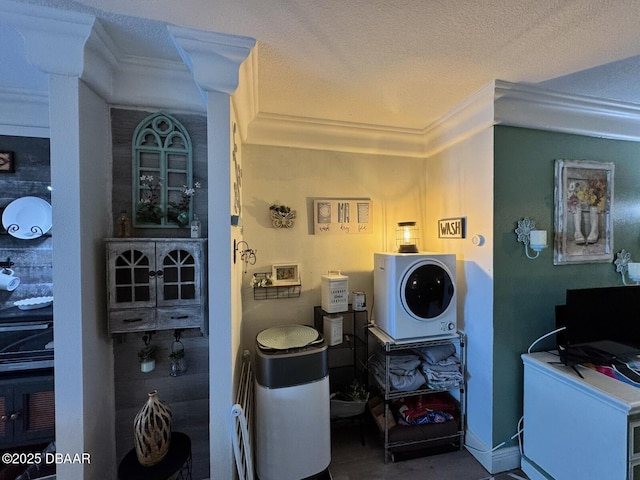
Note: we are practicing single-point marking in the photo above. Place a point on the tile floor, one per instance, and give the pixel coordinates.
(350, 460)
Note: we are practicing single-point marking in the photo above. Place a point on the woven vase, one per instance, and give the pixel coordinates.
(152, 430)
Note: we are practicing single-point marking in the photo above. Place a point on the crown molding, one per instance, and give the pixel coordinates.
(245, 98)
(474, 114)
(497, 103)
(317, 134)
(213, 58)
(528, 106)
(54, 40)
(24, 113)
(145, 82)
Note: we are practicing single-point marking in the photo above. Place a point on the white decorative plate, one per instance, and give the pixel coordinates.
(287, 336)
(27, 218)
(33, 303)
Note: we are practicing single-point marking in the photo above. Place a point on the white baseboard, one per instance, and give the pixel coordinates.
(500, 460)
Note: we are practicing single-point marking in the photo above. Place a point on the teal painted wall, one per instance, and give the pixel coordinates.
(526, 291)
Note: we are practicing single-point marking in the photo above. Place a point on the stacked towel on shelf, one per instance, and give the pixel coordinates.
(404, 371)
(440, 365)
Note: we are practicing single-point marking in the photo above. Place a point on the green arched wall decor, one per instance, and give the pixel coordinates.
(162, 177)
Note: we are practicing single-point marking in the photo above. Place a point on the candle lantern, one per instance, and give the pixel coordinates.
(407, 236)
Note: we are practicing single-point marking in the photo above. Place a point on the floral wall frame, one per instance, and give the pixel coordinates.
(583, 198)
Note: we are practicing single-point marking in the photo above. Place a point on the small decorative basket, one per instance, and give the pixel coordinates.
(282, 219)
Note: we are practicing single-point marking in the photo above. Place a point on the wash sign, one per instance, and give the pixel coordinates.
(451, 228)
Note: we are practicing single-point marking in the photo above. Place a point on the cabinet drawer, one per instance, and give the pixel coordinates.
(184, 317)
(133, 320)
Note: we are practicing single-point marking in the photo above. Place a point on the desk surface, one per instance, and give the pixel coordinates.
(179, 452)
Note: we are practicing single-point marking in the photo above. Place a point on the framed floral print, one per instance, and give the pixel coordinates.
(583, 212)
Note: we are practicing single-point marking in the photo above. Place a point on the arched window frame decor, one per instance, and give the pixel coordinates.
(162, 162)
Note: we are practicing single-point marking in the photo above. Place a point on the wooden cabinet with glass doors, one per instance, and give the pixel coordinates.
(156, 284)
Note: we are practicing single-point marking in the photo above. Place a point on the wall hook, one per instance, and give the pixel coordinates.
(146, 338)
(247, 255)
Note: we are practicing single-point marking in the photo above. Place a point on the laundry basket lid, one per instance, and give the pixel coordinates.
(285, 337)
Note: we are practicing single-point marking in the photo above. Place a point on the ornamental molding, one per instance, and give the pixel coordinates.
(497, 103)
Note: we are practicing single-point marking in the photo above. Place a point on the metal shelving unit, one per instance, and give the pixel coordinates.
(347, 360)
(388, 345)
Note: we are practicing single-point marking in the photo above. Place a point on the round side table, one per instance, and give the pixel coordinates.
(176, 463)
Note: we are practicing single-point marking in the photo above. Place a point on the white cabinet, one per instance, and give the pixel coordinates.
(586, 428)
(156, 284)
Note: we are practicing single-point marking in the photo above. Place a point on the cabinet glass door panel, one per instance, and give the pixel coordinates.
(131, 281)
(188, 291)
(178, 282)
(170, 291)
(142, 293)
(188, 274)
(141, 275)
(123, 276)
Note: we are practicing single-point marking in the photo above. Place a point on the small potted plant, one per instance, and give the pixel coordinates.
(178, 212)
(261, 280)
(282, 216)
(147, 358)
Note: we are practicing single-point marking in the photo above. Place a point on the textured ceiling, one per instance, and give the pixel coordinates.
(401, 63)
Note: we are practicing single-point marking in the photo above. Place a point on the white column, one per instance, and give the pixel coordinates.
(214, 60)
(80, 158)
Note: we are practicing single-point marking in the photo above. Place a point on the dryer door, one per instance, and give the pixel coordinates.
(427, 290)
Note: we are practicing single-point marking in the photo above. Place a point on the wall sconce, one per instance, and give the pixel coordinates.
(407, 236)
(527, 234)
(624, 265)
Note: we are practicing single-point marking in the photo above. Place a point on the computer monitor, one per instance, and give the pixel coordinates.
(595, 314)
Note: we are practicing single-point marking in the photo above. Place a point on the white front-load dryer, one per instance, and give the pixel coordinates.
(415, 294)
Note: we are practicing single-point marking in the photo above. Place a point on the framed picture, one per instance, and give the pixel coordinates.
(285, 274)
(583, 212)
(6, 162)
(342, 216)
